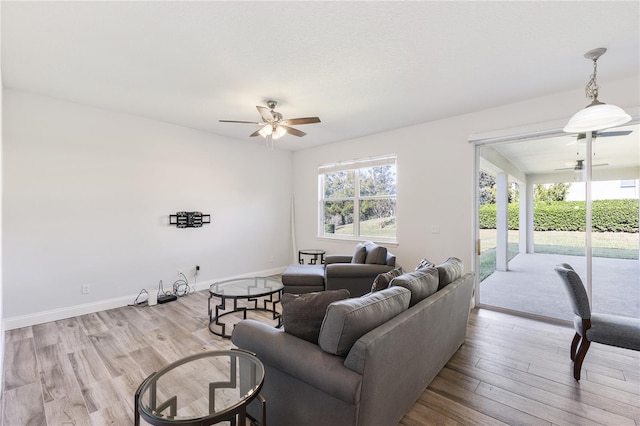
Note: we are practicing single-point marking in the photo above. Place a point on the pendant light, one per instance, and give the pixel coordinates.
(596, 115)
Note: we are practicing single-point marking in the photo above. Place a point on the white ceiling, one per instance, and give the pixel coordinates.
(362, 67)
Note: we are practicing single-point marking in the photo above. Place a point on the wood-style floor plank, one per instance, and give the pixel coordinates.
(511, 370)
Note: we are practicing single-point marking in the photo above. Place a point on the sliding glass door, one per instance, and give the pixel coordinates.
(535, 199)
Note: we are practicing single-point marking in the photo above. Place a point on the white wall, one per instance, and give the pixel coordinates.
(87, 197)
(435, 172)
(2, 325)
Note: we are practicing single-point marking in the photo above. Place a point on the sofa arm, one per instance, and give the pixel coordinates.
(337, 258)
(355, 270)
(299, 358)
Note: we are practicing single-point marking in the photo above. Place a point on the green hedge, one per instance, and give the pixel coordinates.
(607, 216)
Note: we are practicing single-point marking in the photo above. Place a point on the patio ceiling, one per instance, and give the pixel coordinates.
(613, 155)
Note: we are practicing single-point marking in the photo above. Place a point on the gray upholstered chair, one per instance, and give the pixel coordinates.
(590, 327)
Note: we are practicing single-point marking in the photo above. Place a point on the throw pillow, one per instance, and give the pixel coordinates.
(449, 271)
(382, 280)
(376, 255)
(421, 284)
(302, 314)
(360, 254)
(424, 263)
(348, 320)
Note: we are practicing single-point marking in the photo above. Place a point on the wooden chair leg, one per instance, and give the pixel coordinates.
(574, 346)
(577, 364)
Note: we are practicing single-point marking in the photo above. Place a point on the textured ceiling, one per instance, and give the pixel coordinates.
(362, 67)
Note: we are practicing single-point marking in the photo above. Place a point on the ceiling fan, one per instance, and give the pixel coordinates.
(582, 136)
(604, 134)
(274, 126)
(579, 166)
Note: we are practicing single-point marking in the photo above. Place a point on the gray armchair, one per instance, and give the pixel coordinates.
(357, 272)
(590, 327)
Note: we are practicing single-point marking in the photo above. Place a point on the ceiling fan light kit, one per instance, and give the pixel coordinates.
(274, 126)
(596, 115)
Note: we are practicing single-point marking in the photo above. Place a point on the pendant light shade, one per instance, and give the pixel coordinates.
(596, 115)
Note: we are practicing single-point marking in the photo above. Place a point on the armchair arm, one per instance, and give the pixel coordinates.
(355, 277)
(298, 358)
(337, 258)
(355, 270)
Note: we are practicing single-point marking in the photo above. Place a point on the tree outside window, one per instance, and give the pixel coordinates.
(358, 199)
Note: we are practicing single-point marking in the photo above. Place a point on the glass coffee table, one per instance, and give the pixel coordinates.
(202, 389)
(252, 290)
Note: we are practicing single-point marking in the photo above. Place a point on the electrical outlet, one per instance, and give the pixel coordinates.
(86, 288)
(197, 270)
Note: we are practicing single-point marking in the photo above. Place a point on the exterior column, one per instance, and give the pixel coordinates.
(502, 222)
(525, 219)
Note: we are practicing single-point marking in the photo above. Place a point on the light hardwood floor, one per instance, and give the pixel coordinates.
(511, 370)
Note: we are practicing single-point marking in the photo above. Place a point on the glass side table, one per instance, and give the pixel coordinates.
(202, 389)
(317, 254)
(253, 290)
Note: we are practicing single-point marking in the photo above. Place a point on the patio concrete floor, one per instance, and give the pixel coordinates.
(531, 285)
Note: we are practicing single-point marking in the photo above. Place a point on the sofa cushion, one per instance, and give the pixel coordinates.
(376, 255)
(302, 314)
(348, 320)
(360, 254)
(449, 271)
(382, 280)
(422, 283)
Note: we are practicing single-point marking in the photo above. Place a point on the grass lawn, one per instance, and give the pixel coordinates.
(379, 227)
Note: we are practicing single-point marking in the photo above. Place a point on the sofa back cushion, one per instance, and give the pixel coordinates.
(449, 271)
(348, 320)
(302, 314)
(360, 254)
(421, 283)
(376, 255)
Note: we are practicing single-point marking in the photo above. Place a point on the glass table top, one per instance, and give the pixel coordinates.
(246, 287)
(201, 387)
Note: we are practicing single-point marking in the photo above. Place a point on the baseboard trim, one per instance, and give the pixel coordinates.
(102, 305)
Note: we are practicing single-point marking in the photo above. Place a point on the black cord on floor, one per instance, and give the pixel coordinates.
(138, 302)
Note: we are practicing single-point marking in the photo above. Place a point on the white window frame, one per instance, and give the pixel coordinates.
(355, 165)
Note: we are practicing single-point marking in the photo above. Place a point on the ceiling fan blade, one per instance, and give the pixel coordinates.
(598, 165)
(265, 113)
(614, 133)
(235, 121)
(292, 131)
(304, 120)
(605, 134)
(565, 168)
(256, 133)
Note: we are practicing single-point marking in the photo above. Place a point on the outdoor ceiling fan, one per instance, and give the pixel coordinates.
(579, 166)
(581, 137)
(274, 126)
(604, 134)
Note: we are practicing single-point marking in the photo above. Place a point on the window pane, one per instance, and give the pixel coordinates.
(338, 217)
(379, 180)
(378, 217)
(339, 184)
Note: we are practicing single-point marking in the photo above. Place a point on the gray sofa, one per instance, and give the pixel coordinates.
(375, 380)
(352, 272)
(340, 273)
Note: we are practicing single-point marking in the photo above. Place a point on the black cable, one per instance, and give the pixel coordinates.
(181, 286)
(140, 303)
(161, 291)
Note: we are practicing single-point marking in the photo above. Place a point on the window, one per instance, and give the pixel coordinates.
(358, 199)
